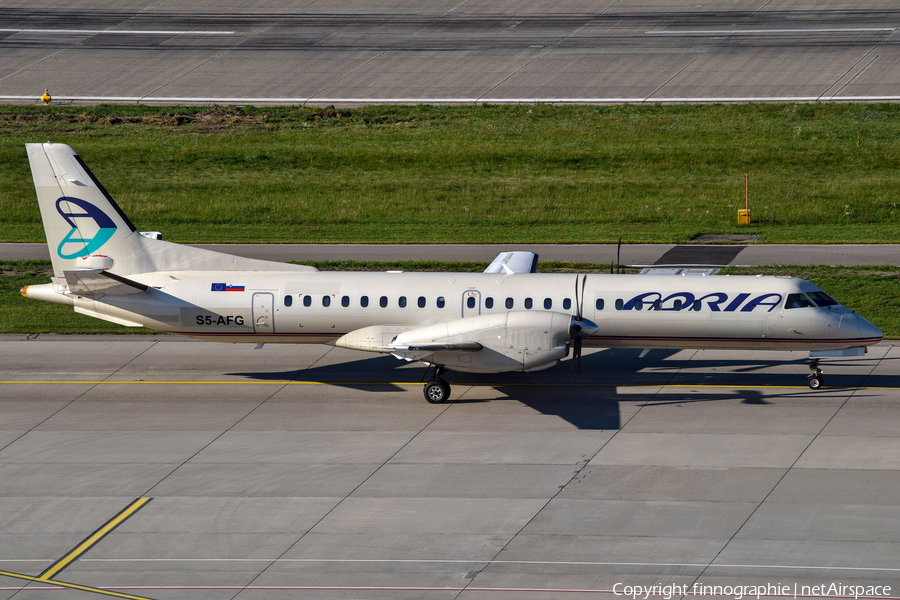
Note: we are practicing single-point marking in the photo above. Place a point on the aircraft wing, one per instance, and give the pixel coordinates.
(97, 282)
(508, 263)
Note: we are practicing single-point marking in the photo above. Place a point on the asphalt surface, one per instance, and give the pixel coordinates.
(630, 254)
(337, 52)
(314, 472)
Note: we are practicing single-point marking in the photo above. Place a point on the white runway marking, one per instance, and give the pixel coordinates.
(126, 31)
(764, 31)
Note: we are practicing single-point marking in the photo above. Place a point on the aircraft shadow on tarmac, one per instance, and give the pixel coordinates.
(590, 399)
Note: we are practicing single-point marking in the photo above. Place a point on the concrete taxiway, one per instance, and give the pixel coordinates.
(309, 471)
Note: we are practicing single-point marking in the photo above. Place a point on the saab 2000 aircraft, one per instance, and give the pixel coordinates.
(508, 318)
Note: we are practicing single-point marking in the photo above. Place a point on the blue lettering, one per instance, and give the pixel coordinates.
(763, 301)
(687, 296)
(638, 300)
(714, 304)
(736, 302)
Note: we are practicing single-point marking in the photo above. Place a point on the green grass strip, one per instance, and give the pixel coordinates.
(475, 174)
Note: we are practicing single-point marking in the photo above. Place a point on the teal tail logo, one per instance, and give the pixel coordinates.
(103, 227)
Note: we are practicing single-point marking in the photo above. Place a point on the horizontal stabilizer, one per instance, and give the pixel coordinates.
(96, 282)
(118, 321)
(508, 263)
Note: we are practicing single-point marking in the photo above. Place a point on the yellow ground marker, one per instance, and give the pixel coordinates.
(87, 544)
(92, 539)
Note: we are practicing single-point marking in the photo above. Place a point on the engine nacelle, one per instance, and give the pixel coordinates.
(511, 341)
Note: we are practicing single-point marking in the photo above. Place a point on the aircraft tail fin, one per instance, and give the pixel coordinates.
(80, 218)
(85, 227)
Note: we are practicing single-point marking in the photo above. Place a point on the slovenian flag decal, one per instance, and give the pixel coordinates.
(227, 287)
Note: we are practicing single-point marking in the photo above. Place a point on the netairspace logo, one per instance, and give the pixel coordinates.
(739, 592)
(91, 227)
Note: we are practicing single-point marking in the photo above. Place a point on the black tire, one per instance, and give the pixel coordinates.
(437, 392)
(815, 382)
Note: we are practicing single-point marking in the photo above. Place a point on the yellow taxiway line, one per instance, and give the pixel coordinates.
(87, 544)
(92, 539)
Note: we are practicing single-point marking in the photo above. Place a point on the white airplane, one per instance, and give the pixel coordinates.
(508, 318)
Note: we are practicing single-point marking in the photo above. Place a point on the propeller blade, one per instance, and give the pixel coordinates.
(581, 306)
(576, 354)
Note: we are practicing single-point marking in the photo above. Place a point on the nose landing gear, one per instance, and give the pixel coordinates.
(814, 380)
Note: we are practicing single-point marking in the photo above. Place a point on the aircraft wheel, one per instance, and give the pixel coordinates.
(437, 391)
(814, 382)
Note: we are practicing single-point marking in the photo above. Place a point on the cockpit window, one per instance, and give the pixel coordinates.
(797, 301)
(822, 299)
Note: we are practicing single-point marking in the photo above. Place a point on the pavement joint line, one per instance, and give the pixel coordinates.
(800, 455)
(88, 543)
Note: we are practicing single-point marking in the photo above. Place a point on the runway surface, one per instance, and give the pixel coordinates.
(630, 254)
(353, 52)
(315, 472)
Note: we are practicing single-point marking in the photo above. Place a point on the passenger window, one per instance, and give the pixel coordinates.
(567, 304)
(548, 303)
(528, 303)
(619, 304)
(697, 305)
(364, 301)
(657, 304)
(307, 300)
(489, 303)
(288, 301)
(678, 304)
(599, 304)
(509, 303)
(345, 301)
(638, 305)
(326, 300)
(797, 301)
(402, 301)
(421, 301)
(440, 302)
(382, 302)
(470, 302)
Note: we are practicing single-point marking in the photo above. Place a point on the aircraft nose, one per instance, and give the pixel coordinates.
(868, 331)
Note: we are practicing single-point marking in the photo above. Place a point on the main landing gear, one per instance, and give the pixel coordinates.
(814, 380)
(437, 391)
